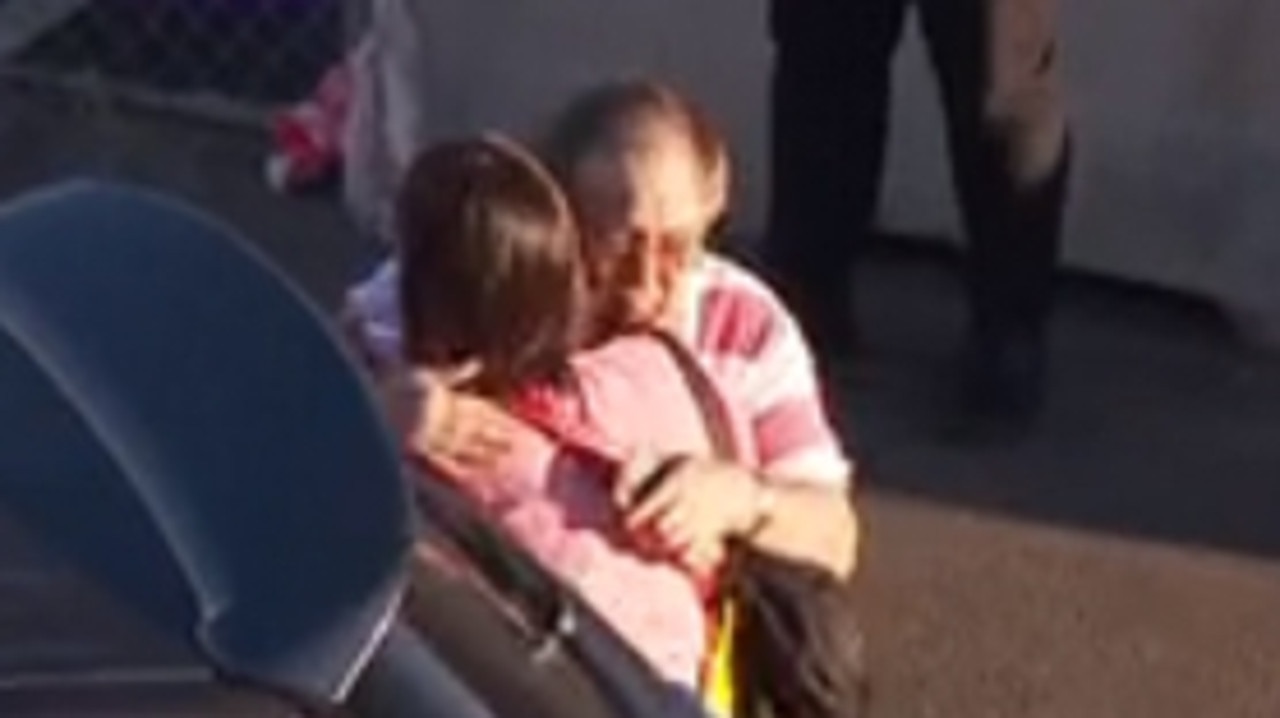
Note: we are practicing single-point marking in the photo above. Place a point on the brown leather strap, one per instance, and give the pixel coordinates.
(715, 413)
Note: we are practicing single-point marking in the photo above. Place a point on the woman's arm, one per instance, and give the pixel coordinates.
(455, 430)
(801, 466)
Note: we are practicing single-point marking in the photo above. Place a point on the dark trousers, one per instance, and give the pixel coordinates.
(996, 66)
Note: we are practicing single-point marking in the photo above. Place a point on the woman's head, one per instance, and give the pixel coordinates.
(490, 263)
(648, 176)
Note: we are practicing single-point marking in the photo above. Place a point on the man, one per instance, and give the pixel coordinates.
(648, 176)
(996, 64)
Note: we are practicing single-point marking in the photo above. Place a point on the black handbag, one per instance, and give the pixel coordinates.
(799, 648)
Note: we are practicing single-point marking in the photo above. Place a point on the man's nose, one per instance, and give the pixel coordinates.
(641, 268)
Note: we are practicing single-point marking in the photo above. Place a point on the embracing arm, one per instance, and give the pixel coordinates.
(794, 499)
(699, 504)
(457, 431)
(804, 505)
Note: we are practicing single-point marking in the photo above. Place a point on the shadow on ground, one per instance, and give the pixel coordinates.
(1161, 423)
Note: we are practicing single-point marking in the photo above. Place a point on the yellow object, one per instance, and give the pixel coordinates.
(719, 691)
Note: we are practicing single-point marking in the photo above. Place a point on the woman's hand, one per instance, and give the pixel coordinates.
(456, 431)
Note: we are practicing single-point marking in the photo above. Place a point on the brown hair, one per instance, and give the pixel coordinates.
(489, 263)
(619, 116)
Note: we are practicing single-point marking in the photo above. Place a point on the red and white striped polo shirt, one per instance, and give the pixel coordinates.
(755, 350)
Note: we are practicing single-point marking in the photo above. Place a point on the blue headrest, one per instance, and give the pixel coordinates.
(243, 484)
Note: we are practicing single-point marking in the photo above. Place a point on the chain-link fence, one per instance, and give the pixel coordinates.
(226, 59)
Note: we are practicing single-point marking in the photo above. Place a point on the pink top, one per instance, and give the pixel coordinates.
(558, 504)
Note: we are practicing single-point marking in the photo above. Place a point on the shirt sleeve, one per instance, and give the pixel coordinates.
(789, 416)
(375, 311)
(759, 354)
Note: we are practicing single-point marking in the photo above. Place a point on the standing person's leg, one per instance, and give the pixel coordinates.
(997, 66)
(830, 97)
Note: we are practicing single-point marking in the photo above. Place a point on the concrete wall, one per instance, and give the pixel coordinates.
(1176, 102)
(1177, 115)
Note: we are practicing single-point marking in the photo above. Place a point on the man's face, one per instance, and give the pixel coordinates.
(645, 218)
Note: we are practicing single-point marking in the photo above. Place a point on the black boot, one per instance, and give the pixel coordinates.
(1003, 388)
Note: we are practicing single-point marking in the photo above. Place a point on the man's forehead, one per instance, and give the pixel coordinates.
(602, 185)
(665, 187)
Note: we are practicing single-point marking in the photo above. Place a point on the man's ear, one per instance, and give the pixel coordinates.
(716, 200)
(717, 229)
(717, 193)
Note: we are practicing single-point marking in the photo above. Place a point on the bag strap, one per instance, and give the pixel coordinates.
(546, 415)
(716, 417)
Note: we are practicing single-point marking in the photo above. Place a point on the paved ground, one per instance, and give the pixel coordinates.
(1125, 564)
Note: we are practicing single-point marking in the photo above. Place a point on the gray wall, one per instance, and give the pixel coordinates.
(1177, 109)
(1176, 102)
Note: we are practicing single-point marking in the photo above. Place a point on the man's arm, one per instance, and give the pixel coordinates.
(797, 503)
(702, 503)
(807, 512)
(806, 522)
(351, 328)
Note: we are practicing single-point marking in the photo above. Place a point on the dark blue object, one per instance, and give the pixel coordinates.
(232, 475)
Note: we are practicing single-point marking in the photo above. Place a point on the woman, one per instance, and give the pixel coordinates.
(491, 291)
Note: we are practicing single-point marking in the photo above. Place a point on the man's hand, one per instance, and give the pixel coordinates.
(351, 328)
(696, 508)
(456, 431)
